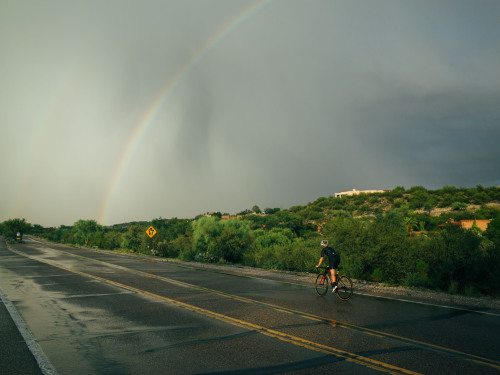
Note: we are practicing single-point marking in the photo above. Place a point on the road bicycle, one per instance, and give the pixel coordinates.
(323, 283)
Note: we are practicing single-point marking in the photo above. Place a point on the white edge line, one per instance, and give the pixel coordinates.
(431, 304)
(42, 360)
(394, 299)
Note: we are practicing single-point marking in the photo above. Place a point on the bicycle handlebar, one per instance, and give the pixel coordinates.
(316, 269)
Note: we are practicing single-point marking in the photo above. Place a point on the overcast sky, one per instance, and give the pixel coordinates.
(125, 110)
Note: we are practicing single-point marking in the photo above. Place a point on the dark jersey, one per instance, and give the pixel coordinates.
(333, 257)
(327, 251)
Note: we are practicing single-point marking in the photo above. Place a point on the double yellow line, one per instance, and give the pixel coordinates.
(351, 357)
(367, 362)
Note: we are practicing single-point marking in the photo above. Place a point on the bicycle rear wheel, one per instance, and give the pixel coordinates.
(344, 289)
(322, 284)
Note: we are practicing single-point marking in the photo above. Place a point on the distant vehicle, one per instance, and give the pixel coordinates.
(19, 237)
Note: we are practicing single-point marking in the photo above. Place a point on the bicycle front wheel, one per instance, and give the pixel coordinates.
(344, 289)
(322, 284)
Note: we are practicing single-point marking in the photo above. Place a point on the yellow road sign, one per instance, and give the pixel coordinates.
(151, 232)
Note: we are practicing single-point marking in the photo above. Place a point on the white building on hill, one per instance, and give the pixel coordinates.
(357, 192)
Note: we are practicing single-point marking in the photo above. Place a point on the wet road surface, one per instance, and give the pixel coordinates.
(99, 313)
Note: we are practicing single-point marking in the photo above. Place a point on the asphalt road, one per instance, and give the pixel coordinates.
(91, 312)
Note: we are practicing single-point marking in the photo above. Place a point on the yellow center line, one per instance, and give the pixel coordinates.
(334, 323)
(351, 357)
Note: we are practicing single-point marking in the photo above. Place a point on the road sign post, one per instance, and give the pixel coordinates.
(151, 232)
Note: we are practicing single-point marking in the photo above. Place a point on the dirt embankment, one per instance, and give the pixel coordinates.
(471, 208)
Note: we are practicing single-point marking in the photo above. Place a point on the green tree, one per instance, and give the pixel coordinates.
(388, 238)
(112, 240)
(276, 236)
(418, 197)
(169, 230)
(133, 238)
(84, 231)
(458, 206)
(245, 212)
(220, 240)
(397, 192)
(411, 223)
(264, 252)
(233, 241)
(173, 249)
(293, 221)
(493, 231)
(256, 209)
(11, 227)
(454, 258)
(204, 230)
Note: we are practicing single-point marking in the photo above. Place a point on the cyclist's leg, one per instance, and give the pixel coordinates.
(332, 269)
(334, 263)
(333, 275)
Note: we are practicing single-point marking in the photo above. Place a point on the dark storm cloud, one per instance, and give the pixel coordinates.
(439, 138)
(192, 143)
(272, 103)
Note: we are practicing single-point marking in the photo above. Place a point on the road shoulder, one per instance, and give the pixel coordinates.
(479, 304)
(15, 355)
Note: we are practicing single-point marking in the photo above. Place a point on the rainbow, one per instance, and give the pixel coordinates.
(150, 113)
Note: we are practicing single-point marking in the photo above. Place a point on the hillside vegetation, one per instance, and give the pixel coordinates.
(375, 234)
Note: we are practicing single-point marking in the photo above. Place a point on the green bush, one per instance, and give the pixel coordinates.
(217, 240)
(471, 291)
(459, 206)
(187, 254)
(415, 279)
(377, 275)
(453, 287)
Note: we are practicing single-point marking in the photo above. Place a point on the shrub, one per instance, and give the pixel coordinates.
(415, 279)
(377, 275)
(217, 240)
(459, 206)
(471, 291)
(453, 287)
(187, 254)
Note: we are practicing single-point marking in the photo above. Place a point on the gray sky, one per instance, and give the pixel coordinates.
(124, 110)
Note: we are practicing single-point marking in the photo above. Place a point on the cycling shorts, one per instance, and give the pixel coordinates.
(334, 260)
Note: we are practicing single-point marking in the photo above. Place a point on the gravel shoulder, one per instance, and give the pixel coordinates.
(484, 303)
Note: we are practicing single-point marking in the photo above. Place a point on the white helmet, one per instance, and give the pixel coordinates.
(324, 243)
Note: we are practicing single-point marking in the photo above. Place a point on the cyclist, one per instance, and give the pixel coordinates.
(334, 259)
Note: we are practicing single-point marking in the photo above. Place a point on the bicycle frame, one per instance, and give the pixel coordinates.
(344, 284)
